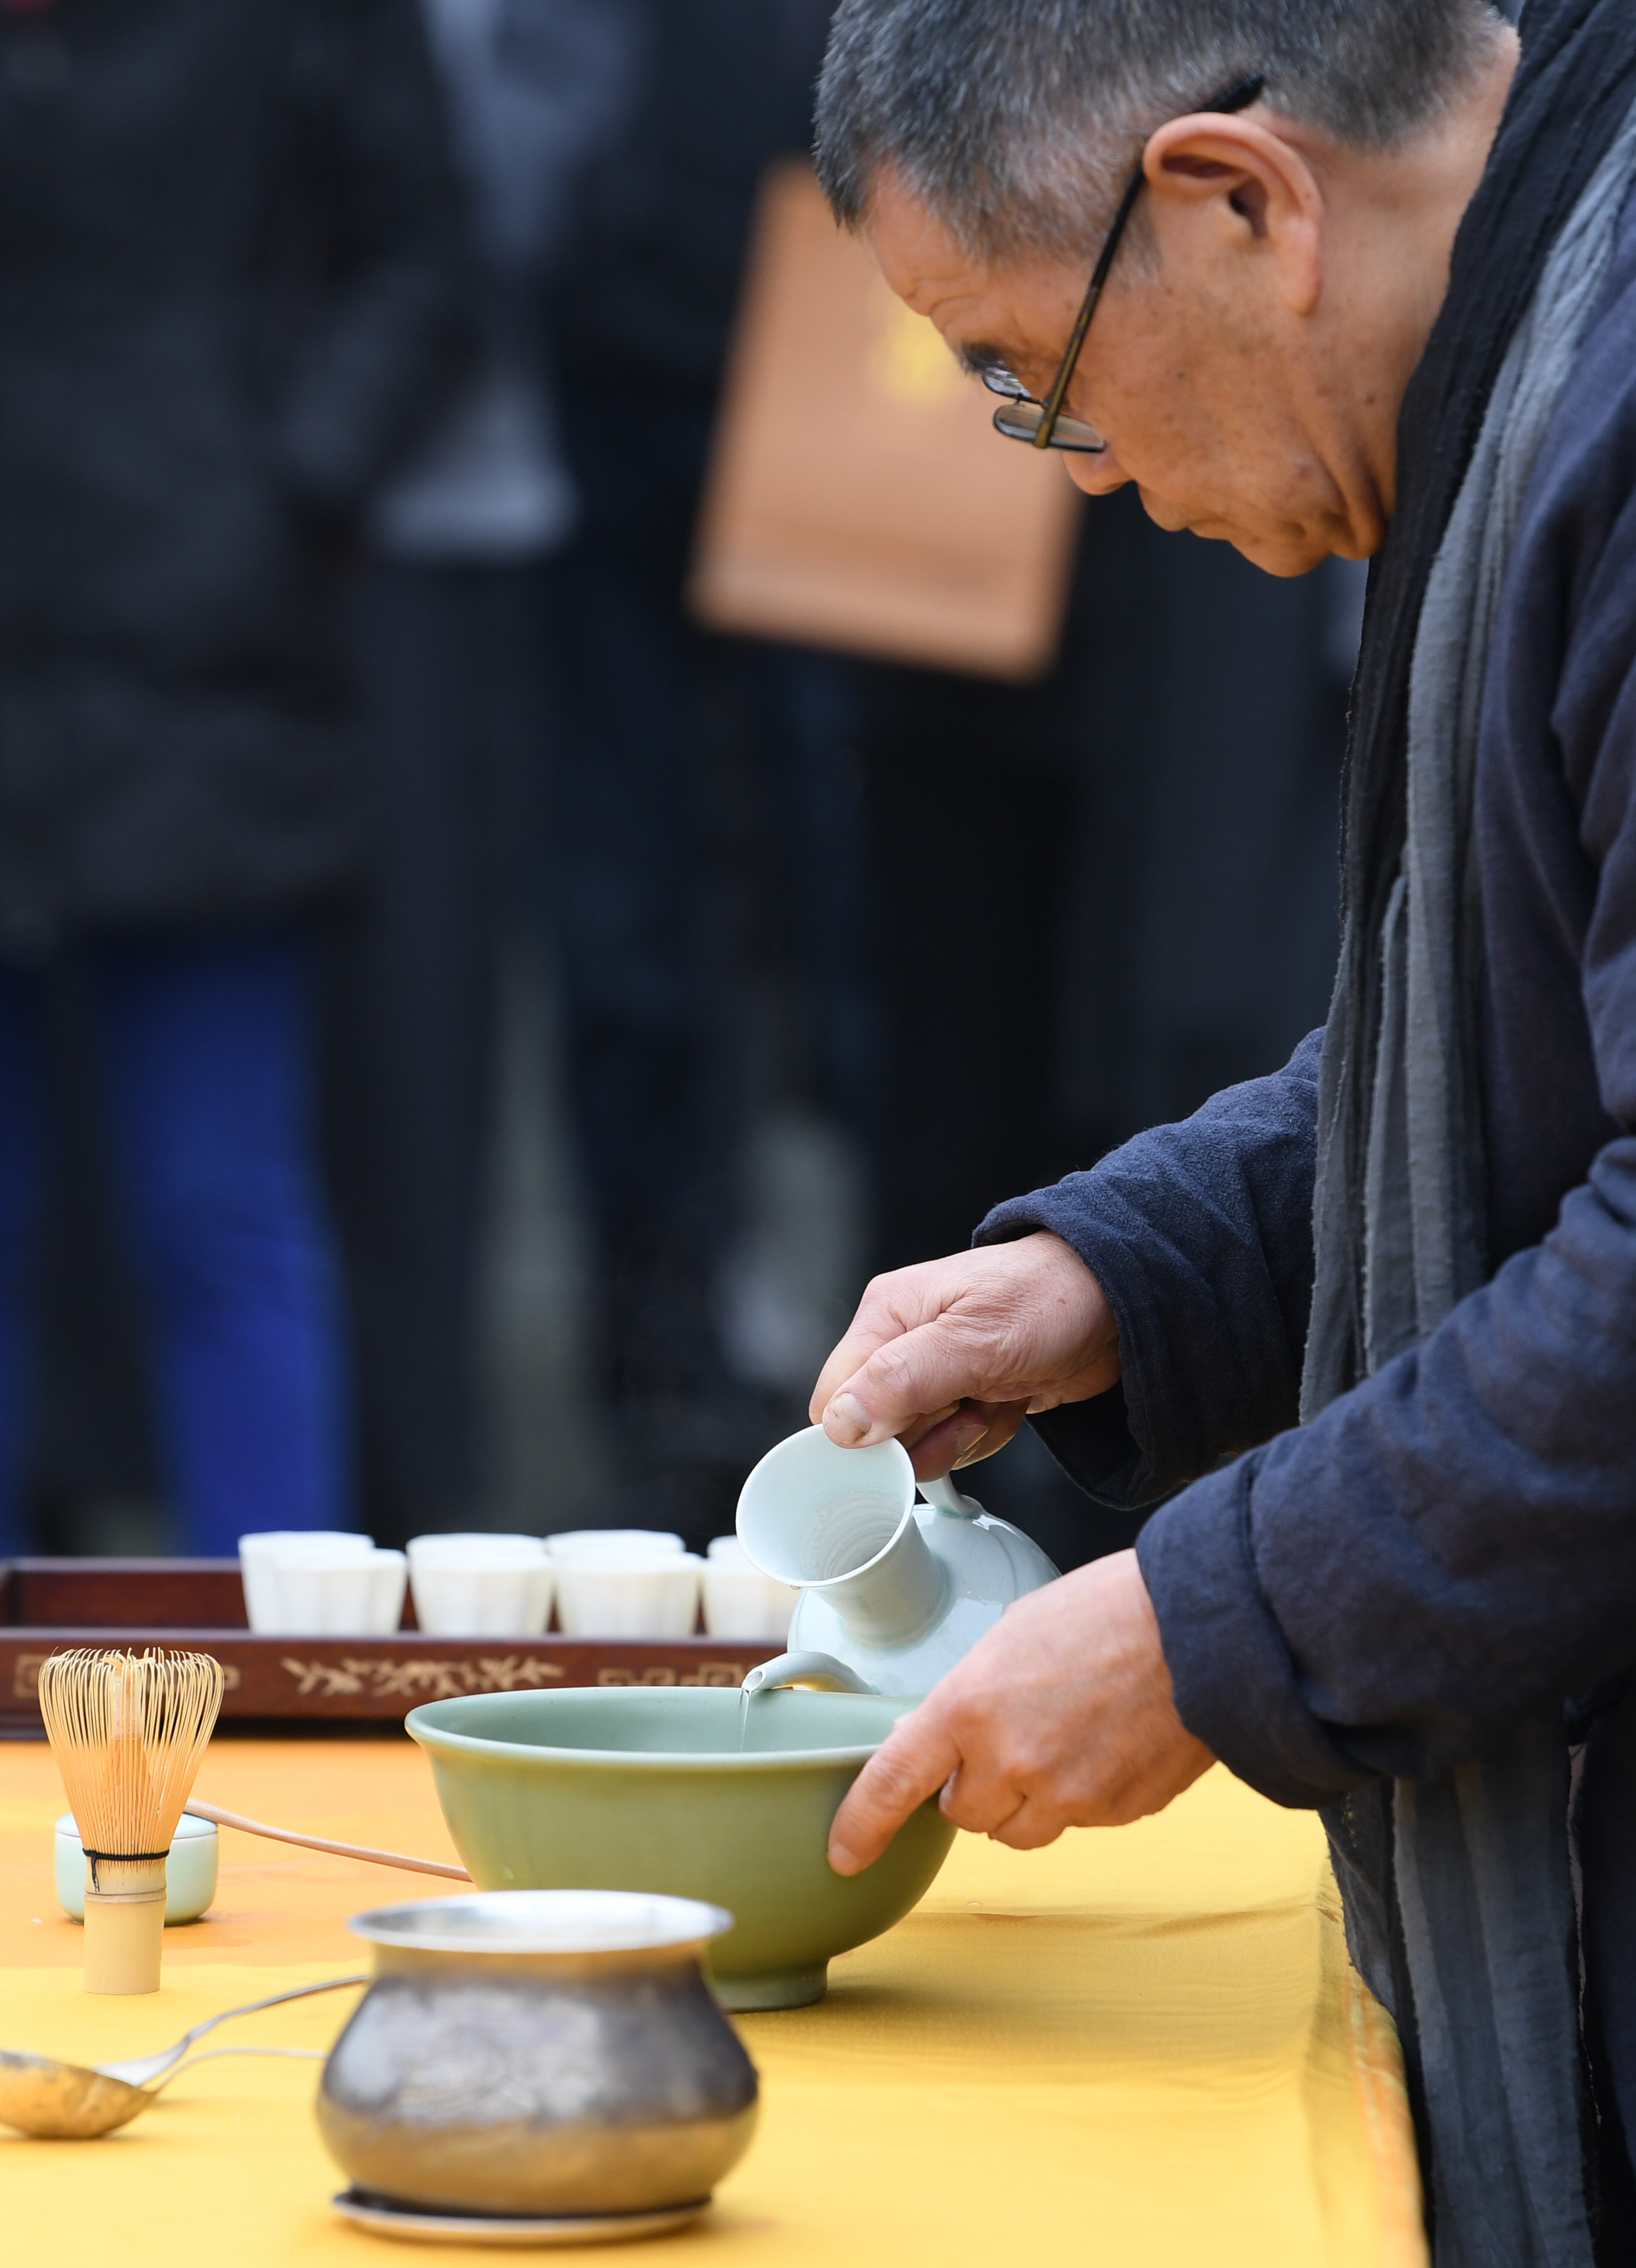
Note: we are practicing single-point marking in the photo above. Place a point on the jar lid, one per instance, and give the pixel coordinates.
(543, 1921)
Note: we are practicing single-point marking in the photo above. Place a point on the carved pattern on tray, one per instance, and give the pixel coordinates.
(708, 1673)
(419, 1680)
(26, 1672)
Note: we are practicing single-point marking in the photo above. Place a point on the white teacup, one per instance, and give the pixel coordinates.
(324, 1596)
(462, 1543)
(740, 1602)
(628, 1595)
(612, 1543)
(263, 1597)
(480, 1586)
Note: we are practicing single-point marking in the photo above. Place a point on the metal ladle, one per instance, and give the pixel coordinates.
(42, 2096)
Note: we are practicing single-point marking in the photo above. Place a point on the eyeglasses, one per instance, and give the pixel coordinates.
(1042, 424)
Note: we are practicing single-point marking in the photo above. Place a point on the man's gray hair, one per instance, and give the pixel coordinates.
(1014, 120)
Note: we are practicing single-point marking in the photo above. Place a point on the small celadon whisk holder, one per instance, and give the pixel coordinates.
(128, 1731)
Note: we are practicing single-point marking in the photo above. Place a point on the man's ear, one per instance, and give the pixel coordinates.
(1255, 190)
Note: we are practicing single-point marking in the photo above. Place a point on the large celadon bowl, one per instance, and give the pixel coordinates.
(646, 1788)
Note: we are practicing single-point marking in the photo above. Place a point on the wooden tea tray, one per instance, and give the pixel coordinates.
(48, 1604)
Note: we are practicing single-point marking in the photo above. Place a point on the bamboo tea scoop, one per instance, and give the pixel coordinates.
(220, 1818)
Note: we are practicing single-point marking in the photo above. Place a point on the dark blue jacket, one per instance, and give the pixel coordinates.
(1452, 1545)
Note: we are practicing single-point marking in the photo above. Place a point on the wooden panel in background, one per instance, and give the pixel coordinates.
(123, 1594)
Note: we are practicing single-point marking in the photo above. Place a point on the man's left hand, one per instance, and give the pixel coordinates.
(1060, 1716)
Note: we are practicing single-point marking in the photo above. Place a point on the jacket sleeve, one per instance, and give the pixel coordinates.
(1445, 1550)
(380, 216)
(1451, 1546)
(1200, 1234)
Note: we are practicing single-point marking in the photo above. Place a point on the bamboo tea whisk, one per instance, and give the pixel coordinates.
(128, 1731)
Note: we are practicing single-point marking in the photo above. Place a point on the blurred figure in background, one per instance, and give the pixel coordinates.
(453, 621)
(1014, 924)
(1200, 933)
(1145, 840)
(652, 1021)
(739, 836)
(228, 267)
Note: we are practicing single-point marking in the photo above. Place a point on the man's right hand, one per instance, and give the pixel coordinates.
(952, 1355)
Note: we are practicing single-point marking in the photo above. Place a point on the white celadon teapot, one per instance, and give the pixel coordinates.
(893, 1593)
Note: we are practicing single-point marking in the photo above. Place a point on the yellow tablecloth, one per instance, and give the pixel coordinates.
(1137, 2049)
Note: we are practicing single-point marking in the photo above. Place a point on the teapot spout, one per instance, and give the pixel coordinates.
(821, 1671)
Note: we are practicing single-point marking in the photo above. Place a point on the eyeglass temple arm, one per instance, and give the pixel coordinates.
(1050, 408)
(1236, 98)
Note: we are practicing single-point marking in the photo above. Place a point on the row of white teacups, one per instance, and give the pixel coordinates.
(625, 1582)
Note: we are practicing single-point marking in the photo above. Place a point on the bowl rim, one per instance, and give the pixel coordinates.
(430, 1735)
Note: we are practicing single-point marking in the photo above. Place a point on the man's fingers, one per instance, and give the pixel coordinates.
(1025, 1321)
(1004, 1419)
(1061, 1715)
(961, 1436)
(912, 1763)
(951, 1436)
(854, 1350)
(891, 1304)
(927, 1369)
(1032, 1825)
(981, 1805)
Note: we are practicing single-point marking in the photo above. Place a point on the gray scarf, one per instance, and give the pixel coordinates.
(1480, 1856)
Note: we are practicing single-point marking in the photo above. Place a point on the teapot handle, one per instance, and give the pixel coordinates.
(944, 1496)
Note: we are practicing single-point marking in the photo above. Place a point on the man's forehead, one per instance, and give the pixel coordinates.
(919, 254)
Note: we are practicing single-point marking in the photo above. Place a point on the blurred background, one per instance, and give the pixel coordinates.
(563, 800)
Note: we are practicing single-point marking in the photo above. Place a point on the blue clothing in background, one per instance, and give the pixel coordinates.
(202, 1048)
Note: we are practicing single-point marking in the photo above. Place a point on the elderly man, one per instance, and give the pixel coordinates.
(1364, 281)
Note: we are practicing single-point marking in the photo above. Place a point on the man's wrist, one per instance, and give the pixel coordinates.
(1096, 1355)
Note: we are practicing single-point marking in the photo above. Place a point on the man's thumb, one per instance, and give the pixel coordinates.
(922, 1374)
